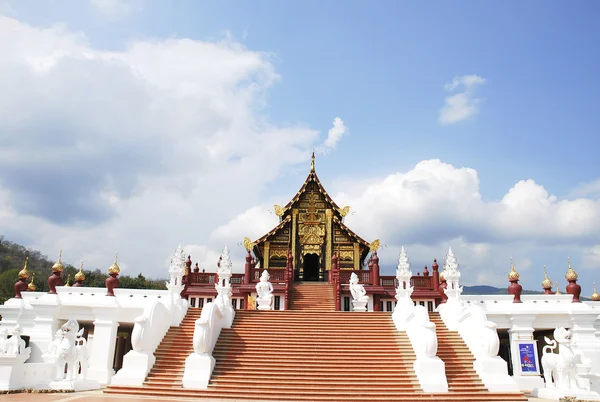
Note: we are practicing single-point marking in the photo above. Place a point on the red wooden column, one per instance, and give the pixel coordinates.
(248, 268)
(288, 277)
(436, 275)
(335, 274)
(375, 279)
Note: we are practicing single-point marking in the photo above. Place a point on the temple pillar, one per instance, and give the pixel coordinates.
(248, 269)
(294, 234)
(520, 334)
(584, 331)
(267, 256)
(356, 256)
(375, 270)
(328, 239)
(45, 324)
(103, 350)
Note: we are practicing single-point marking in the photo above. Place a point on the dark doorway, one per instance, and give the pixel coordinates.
(311, 267)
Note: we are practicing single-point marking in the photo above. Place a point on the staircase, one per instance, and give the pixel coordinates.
(312, 296)
(462, 377)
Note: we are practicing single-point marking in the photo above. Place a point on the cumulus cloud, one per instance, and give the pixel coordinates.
(462, 105)
(101, 149)
(335, 133)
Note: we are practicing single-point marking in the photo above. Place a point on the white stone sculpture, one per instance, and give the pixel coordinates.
(359, 294)
(200, 364)
(176, 269)
(3, 339)
(15, 345)
(452, 276)
(264, 292)
(561, 366)
(404, 289)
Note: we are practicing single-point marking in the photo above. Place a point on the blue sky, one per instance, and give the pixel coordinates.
(382, 67)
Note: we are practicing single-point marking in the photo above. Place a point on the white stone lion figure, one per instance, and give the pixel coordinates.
(69, 347)
(561, 366)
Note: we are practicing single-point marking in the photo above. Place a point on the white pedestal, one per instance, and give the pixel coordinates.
(431, 372)
(103, 348)
(263, 304)
(136, 366)
(198, 370)
(11, 371)
(75, 385)
(494, 374)
(556, 394)
(359, 305)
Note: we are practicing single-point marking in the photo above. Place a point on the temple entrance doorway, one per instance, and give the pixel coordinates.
(311, 267)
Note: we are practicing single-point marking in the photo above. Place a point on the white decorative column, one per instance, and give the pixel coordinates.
(453, 308)
(520, 335)
(103, 349)
(584, 344)
(404, 305)
(45, 324)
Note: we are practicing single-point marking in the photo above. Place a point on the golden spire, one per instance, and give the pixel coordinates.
(513, 275)
(68, 280)
(557, 290)
(80, 276)
(114, 268)
(546, 283)
(31, 285)
(312, 162)
(24, 274)
(58, 267)
(570, 275)
(595, 295)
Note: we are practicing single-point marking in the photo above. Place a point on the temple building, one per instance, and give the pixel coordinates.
(311, 225)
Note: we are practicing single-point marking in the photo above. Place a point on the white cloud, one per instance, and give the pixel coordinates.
(136, 150)
(335, 133)
(115, 8)
(591, 258)
(462, 105)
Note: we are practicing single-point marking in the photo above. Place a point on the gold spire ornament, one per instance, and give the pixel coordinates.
(595, 295)
(31, 287)
(345, 211)
(546, 283)
(80, 276)
(278, 210)
(557, 290)
(68, 280)
(513, 275)
(312, 162)
(571, 275)
(58, 266)
(24, 274)
(114, 268)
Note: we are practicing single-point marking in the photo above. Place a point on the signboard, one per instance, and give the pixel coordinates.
(528, 357)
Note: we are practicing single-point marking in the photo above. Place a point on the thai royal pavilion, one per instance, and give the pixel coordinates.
(309, 319)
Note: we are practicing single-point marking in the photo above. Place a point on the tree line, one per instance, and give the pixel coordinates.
(12, 259)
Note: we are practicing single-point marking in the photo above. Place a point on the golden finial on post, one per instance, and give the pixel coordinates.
(24, 274)
(546, 283)
(312, 161)
(31, 287)
(58, 266)
(571, 275)
(557, 290)
(80, 276)
(68, 280)
(595, 295)
(114, 268)
(513, 275)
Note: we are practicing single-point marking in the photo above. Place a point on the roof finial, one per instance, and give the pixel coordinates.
(312, 161)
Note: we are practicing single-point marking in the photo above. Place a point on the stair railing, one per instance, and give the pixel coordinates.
(148, 331)
(481, 337)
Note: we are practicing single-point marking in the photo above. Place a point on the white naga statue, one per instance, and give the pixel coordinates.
(264, 290)
(561, 366)
(359, 294)
(69, 347)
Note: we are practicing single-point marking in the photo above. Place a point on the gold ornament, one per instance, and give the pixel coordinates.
(68, 281)
(374, 245)
(58, 266)
(570, 275)
(278, 210)
(24, 274)
(114, 268)
(80, 276)
(513, 275)
(557, 290)
(546, 283)
(31, 285)
(595, 295)
(345, 211)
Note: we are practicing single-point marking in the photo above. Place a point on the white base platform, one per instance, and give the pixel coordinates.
(556, 394)
(75, 385)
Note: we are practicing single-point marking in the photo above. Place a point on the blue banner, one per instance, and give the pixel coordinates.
(527, 357)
